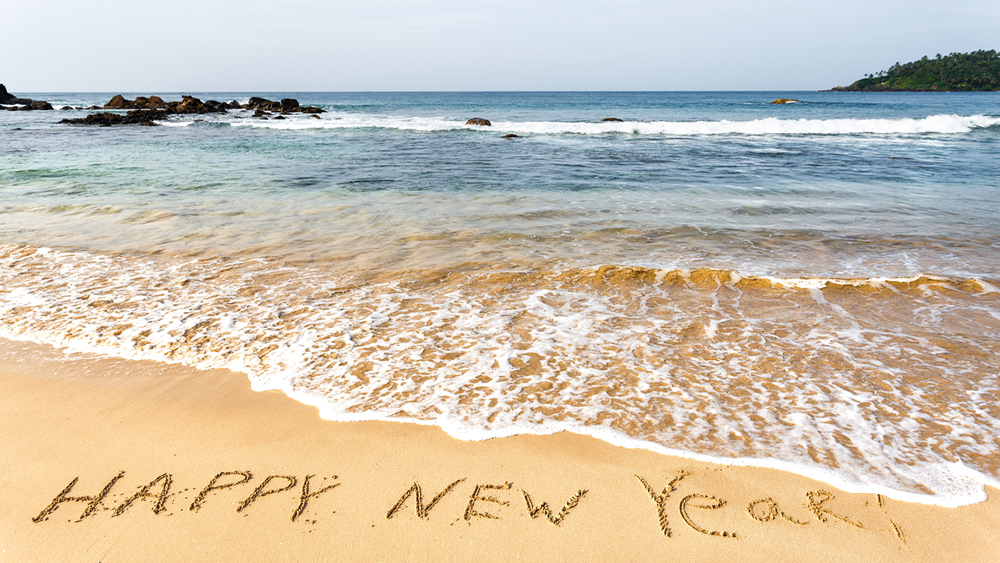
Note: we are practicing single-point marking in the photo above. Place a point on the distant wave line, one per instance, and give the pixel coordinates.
(935, 124)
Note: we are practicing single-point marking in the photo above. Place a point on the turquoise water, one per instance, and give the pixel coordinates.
(809, 285)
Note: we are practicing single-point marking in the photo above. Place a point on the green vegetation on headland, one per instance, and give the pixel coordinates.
(957, 72)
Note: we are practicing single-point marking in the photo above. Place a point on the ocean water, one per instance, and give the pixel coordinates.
(812, 286)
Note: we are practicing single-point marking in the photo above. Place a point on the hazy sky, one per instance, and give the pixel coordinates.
(309, 45)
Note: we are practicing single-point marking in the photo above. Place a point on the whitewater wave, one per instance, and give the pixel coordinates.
(936, 124)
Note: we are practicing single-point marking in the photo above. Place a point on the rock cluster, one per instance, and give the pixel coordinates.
(26, 104)
(286, 105)
(133, 117)
(263, 107)
(146, 111)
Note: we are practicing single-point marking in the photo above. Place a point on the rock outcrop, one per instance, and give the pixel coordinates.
(479, 121)
(141, 102)
(261, 104)
(10, 99)
(785, 101)
(146, 111)
(26, 104)
(133, 117)
(118, 102)
(613, 120)
(285, 106)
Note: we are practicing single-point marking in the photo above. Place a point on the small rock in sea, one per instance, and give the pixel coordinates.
(279, 117)
(288, 104)
(479, 121)
(65, 108)
(314, 116)
(510, 136)
(614, 119)
(784, 101)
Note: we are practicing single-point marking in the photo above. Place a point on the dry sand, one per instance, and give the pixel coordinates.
(168, 463)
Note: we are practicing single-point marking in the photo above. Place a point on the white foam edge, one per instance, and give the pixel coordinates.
(466, 433)
(939, 124)
(615, 438)
(463, 432)
(820, 283)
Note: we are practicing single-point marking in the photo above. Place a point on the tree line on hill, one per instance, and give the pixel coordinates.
(976, 71)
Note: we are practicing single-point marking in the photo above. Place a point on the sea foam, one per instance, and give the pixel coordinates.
(938, 124)
(875, 385)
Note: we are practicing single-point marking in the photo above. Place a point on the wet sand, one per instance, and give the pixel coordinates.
(116, 460)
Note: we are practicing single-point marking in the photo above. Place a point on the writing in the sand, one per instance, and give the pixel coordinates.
(492, 496)
(482, 501)
(159, 492)
(479, 503)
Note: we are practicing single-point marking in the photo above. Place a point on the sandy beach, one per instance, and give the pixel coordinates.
(114, 460)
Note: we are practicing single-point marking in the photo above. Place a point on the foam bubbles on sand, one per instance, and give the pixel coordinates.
(885, 385)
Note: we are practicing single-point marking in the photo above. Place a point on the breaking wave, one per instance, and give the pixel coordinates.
(936, 124)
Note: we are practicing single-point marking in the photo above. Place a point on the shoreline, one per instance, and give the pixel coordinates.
(127, 331)
(217, 472)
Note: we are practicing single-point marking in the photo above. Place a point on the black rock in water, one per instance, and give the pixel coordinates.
(134, 117)
(7, 98)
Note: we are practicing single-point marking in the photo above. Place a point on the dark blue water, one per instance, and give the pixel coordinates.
(711, 173)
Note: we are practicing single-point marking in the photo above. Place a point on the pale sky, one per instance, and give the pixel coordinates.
(401, 45)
